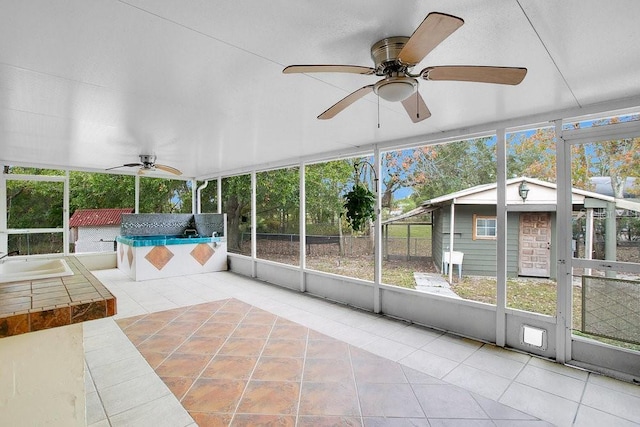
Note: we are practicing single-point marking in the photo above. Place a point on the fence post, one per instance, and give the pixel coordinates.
(408, 242)
(386, 242)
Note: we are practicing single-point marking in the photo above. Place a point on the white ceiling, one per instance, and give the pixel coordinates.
(92, 84)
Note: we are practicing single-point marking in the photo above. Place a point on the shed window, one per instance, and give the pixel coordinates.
(484, 227)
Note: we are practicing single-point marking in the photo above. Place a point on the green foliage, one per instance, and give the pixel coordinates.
(359, 205)
(325, 183)
(162, 195)
(533, 155)
(322, 230)
(236, 203)
(278, 201)
(35, 204)
(88, 190)
(19, 170)
(441, 169)
(208, 197)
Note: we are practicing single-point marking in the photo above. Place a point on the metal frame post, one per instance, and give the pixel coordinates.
(303, 226)
(501, 242)
(563, 234)
(377, 269)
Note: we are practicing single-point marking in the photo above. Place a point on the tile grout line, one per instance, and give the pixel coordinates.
(413, 390)
(235, 410)
(513, 380)
(304, 363)
(97, 390)
(355, 383)
(584, 390)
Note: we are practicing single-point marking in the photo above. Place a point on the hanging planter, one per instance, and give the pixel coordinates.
(359, 205)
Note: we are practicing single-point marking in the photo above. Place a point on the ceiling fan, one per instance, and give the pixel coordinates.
(394, 57)
(148, 163)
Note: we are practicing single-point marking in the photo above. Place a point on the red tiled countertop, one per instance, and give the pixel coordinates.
(33, 305)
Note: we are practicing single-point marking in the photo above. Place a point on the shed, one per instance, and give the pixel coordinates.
(531, 226)
(95, 230)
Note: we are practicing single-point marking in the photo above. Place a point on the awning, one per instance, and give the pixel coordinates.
(420, 210)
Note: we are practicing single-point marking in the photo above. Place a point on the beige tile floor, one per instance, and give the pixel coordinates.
(445, 380)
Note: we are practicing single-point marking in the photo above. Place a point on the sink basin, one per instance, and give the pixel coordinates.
(30, 269)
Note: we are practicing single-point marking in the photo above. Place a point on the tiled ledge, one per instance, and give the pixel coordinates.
(33, 305)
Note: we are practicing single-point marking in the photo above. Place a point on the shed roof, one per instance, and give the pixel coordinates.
(98, 217)
(486, 194)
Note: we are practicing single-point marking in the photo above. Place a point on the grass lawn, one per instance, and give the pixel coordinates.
(418, 231)
(398, 273)
(535, 295)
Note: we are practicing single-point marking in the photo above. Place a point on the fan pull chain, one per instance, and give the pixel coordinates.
(378, 111)
(417, 106)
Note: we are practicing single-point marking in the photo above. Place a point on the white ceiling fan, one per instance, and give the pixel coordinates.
(394, 57)
(148, 163)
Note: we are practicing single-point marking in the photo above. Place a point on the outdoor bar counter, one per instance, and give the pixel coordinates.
(196, 244)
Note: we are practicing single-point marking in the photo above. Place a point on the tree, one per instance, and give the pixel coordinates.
(396, 167)
(325, 184)
(446, 168)
(617, 159)
(208, 196)
(163, 195)
(88, 190)
(236, 203)
(278, 200)
(532, 155)
(34, 204)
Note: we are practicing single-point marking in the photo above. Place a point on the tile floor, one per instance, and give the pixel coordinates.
(232, 350)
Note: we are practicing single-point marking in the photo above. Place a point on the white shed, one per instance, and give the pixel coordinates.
(95, 230)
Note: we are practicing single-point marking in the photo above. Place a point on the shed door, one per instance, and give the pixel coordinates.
(534, 258)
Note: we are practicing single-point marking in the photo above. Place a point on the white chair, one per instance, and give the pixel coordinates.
(456, 259)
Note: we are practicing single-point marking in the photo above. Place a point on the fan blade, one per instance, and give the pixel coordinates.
(416, 108)
(126, 165)
(354, 69)
(345, 102)
(168, 169)
(434, 29)
(471, 73)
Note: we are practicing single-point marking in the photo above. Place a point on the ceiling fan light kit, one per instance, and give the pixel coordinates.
(394, 57)
(396, 89)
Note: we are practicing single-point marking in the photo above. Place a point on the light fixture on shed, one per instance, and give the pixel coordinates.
(523, 190)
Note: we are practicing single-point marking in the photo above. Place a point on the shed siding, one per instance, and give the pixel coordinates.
(89, 238)
(479, 255)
